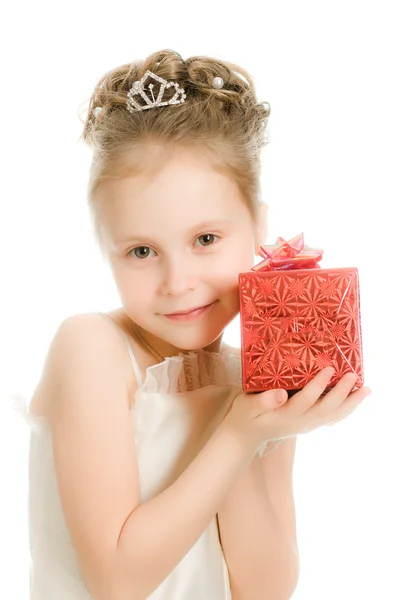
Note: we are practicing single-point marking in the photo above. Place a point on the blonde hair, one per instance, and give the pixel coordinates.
(228, 123)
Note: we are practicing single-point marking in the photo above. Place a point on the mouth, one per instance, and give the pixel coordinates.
(190, 314)
(187, 312)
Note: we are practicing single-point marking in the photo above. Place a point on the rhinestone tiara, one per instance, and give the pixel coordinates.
(138, 88)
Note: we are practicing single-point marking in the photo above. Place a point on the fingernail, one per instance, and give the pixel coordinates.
(281, 398)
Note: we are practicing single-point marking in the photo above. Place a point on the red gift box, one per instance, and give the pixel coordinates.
(297, 318)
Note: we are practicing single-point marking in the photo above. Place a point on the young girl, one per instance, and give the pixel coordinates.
(148, 471)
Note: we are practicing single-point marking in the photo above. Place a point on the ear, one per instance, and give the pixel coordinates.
(261, 225)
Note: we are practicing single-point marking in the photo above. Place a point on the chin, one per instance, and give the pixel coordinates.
(197, 338)
(195, 342)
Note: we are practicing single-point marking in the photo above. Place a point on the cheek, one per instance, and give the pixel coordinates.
(136, 286)
(244, 260)
(224, 275)
(237, 258)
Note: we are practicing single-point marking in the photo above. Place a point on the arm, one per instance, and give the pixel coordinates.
(277, 474)
(257, 529)
(178, 515)
(97, 475)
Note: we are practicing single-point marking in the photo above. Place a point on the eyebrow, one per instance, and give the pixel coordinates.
(200, 226)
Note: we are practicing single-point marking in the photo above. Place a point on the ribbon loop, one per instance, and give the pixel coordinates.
(288, 255)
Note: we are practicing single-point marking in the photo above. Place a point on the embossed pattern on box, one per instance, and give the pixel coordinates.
(295, 322)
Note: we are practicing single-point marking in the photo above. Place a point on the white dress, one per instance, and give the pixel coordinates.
(176, 410)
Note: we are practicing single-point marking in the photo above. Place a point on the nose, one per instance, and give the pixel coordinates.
(179, 275)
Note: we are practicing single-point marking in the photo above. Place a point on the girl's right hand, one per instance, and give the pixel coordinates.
(255, 418)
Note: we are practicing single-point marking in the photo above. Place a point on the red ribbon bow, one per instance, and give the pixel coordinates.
(288, 255)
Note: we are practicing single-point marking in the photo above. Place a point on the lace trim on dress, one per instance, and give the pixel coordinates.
(192, 371)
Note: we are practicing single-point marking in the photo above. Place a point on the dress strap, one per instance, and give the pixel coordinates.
(135, 364)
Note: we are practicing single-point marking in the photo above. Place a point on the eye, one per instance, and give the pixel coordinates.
(207, 239)
(141, 252)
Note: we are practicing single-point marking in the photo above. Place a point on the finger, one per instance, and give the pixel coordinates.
(351, 403)
(307, 397)
(271, 399)
(339, 402)
(337, 395)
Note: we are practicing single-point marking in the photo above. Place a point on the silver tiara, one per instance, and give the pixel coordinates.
(138, 88)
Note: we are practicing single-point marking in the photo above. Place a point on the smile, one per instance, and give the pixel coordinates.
(189, 315)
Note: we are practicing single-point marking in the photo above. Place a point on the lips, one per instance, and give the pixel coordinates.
(187, 312)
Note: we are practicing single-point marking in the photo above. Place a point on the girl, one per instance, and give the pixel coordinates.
(148, 471)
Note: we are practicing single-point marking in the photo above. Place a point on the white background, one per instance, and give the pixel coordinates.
(330, 71)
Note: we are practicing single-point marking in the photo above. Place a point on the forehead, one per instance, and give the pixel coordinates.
(179, 192)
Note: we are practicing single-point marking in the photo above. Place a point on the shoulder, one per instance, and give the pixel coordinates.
(92, 332)
(83, 341)
(84, 332)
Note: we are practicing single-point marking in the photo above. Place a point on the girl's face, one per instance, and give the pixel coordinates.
(177, 241)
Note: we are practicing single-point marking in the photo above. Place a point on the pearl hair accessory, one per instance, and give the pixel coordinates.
(267, 107)
(218, 83)
(138, 88)
(97, 111)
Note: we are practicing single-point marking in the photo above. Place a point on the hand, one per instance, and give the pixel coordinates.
(262, 416)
